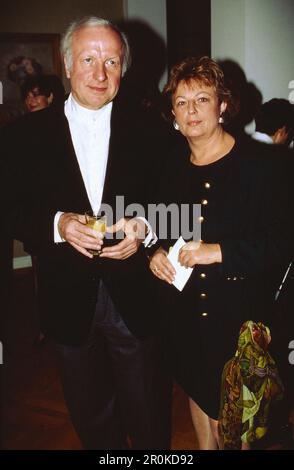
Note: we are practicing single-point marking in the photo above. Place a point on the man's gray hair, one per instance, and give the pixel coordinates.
(92, 21)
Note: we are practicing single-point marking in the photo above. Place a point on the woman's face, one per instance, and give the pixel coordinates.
(196, 109)
(35, 102)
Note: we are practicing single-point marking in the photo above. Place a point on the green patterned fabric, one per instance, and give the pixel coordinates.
(250, 384)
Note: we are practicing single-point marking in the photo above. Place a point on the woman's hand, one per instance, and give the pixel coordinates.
(200, 253)
(162, 267)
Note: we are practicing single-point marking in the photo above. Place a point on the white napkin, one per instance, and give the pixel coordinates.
(182, 273)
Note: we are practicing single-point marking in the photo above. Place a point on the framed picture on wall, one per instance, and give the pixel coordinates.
(24, 54)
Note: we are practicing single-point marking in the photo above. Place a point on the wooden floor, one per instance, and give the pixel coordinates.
(34, 415)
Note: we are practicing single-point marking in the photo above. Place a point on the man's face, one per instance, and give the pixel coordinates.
(97, 55)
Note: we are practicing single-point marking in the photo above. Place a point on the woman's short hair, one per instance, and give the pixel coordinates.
(93, 21)
(203, 70)
(45, 85)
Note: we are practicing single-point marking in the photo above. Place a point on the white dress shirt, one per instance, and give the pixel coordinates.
(90, 133)
(262, 137)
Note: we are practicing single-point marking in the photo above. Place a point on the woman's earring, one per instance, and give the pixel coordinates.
(176, 125)
(221, 119)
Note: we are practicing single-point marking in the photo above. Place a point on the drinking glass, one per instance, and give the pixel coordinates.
(96, 222)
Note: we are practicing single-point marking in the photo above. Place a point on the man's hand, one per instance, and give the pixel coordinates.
(135, 231)
(72, 228)
(194, 253)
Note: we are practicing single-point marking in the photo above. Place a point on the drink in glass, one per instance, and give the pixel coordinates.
(96, 222)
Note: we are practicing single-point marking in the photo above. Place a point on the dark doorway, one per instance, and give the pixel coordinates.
(188, 29)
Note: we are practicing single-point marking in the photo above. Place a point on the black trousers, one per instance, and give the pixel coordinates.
(114, 385)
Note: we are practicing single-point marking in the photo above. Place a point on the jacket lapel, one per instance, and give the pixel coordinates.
(115, 162)
(72, 172)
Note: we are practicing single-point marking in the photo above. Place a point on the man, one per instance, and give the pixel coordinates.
(99, 310)
(275, 122)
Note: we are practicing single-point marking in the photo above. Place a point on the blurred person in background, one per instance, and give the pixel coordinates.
(40, 91)
(274, 123)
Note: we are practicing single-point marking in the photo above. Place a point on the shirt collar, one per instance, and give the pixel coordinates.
(74, 109)
(261, 137)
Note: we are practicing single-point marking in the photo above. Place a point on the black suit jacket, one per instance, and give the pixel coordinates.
(40, 176)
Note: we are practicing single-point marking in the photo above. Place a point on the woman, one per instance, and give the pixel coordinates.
(243, 245)
(40, 91)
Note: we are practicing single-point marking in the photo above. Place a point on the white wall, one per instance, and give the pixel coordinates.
(269, 45)
(35, 16)
(259, 35)
(228, 30)
(152, 12)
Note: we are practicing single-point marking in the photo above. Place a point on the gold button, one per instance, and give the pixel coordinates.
(203, 275)
(203, 295)
(204, 314)
(204, 202)
(200, 219)
(207, 185)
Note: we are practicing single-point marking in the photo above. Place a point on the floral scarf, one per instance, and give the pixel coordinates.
(250, 383)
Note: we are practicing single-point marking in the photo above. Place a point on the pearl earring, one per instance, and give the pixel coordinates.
(221, 120)
(176, 125)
